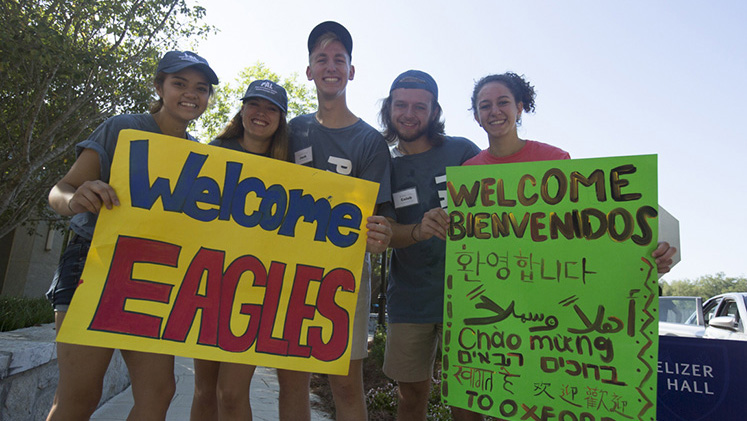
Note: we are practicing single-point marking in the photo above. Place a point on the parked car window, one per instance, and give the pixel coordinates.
(709, 310)
(730, 309)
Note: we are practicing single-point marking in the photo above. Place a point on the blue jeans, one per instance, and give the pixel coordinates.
(67, 275)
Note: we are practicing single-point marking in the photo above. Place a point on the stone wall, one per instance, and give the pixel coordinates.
(28, 374)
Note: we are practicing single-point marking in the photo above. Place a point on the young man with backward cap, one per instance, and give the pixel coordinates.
(411, 117)
(336, 140)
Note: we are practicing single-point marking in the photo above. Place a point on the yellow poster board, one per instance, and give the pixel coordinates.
(223, 255)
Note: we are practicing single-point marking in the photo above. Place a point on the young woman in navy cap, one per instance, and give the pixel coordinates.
(184, 82)
(260, 128)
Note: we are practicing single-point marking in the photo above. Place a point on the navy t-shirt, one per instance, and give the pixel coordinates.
(357, 150)
(415, 293)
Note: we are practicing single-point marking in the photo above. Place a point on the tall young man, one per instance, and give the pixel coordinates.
(334, 139)
(411, 116)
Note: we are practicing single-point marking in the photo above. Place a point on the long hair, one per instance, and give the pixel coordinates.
(279, 148)
(155, 106)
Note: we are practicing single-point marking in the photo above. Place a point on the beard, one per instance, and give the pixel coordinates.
(412, 137)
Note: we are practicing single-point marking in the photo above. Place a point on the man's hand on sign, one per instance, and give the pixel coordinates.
(379, 234)
(435, 222)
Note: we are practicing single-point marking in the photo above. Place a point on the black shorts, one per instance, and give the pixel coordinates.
(67, 275)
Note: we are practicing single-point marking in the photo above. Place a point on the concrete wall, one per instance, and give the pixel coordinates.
(28, 374)
(26, 266)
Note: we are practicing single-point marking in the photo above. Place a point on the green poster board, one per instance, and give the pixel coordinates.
(551, 290)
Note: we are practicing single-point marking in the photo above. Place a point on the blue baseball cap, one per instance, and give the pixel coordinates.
(330, 26)
(422, 80)
(174, 61)
(268, 90)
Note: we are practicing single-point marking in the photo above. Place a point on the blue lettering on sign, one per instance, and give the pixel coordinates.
(278, 209)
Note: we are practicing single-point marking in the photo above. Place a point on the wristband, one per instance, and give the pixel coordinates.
(412, 232)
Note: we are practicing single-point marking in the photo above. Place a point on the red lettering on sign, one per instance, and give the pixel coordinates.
(188, 299)
(327, 307)
(265, 342)
(226, 338)
(298, 310)
(111, 315)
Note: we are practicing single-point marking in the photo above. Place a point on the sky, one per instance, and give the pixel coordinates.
(612, 79)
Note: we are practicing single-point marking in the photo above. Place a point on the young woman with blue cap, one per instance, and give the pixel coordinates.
(184, 82)
(260, 128)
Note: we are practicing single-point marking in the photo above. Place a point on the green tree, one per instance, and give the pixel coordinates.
(705, 286)
(66, 66)
(225, 103)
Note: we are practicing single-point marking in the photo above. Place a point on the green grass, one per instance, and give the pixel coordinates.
(20, 312)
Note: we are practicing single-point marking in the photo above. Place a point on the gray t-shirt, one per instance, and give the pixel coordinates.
(415, 293)
(357, 150)
(103, 141)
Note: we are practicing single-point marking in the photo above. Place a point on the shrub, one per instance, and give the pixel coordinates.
(378, 346)
(436, 409)
(20, 312)
(383, 399)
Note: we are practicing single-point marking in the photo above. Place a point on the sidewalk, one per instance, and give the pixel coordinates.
(264, 397)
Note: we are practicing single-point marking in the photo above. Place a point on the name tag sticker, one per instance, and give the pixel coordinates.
(303, 156)
(404, 198)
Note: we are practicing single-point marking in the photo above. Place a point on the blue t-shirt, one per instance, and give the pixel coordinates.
(357, 150)
(415, 293)
(103, 140)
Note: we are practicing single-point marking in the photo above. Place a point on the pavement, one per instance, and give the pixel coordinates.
(263, 395)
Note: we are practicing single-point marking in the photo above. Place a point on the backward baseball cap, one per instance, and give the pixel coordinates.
(416, 79)
(268, 90)
(175, 61)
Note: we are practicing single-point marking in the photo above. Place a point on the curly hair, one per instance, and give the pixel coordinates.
(520, 88)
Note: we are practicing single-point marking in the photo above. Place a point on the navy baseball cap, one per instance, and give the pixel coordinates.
(174, 61)
(268, 90)
(330, 26)
(422, 81)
